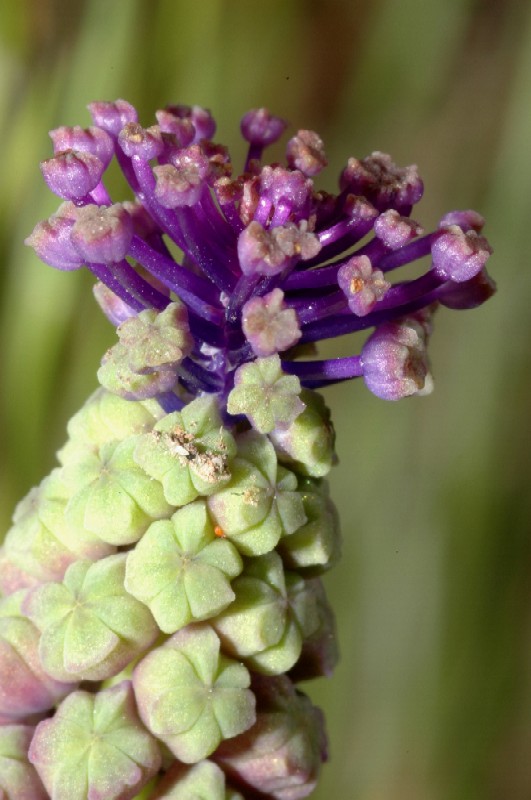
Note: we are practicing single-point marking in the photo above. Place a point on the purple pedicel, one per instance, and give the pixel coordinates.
(267, 260)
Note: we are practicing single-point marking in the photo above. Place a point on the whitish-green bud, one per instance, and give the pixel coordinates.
(188, 452)
(112, 495)
(95, 747)
(42, 544)
(261, 502)
(315, 546)
(272, 614)
(308, 443)
(181, 570)
(191, 696)
(201, 781)
(18, 778)
(91, 626)
(281, 754)
(25, 688)
(105, 417)
(146, 359)
(267, 396)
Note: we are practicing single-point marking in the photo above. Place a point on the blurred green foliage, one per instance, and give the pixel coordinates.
(432, 698)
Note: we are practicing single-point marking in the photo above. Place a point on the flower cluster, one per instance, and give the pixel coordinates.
(162, 593)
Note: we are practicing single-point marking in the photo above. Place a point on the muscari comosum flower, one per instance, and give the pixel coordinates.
(162, 593)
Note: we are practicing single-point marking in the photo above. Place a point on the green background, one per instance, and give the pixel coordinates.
(431, 699)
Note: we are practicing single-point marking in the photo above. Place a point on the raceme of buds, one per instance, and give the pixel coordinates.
(162, 597)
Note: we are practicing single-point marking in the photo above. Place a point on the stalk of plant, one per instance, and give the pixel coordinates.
(162, 595)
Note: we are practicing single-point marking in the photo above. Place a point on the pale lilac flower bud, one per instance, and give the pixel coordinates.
(180, 183)
(87, 140)
(202, 120)
(112, 116)
(395, 230)
(467, 220)
(72, 174)
(381, 181)
(269, 252)
(138, 141)
(269, 325)
(305, 152)
(394, 361)
(468, 294)
(261, 127)
(457, 255)
(102, 234)
(362, 285)
(115, 309)
(181, 128)
(51, 239)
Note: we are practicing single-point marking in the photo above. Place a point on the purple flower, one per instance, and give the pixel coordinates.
(267, 259)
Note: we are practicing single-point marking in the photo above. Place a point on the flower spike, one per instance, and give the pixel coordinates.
(162, 591)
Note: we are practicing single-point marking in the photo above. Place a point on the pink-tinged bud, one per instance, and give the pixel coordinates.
(25, 688)
(72, 174)
(467, 220)
(458, 256)
(102, 234)
(269, 252)
(469, 294)
(202, 120)
(320, 652)
(51, 239)
(394, 230)
(305, 151)
(260, 127)
(146, 143)
(358, 209)
(395, 362)
(281, 755)
(18, 778)
(269, 325)
(379, 179)
(86, 140)
(180, 183)
(112, 116)
(362, 285)
(182, 129)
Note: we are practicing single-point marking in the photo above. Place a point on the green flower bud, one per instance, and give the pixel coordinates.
(268, 398)
(18, 779)
(145, 360)
(91, 627)
(315, 546)
(188, 452)
(272, 614)
(181, 570)
(308, 443)
(112, 496)
(281, 754)
(95, 747)
(320, 652)
(260, 504)
(25, 688)
(105, 417)
(41, 544)
(191, 696)
(201, 781)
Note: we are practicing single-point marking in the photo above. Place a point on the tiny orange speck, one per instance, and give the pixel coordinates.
(219, 532)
